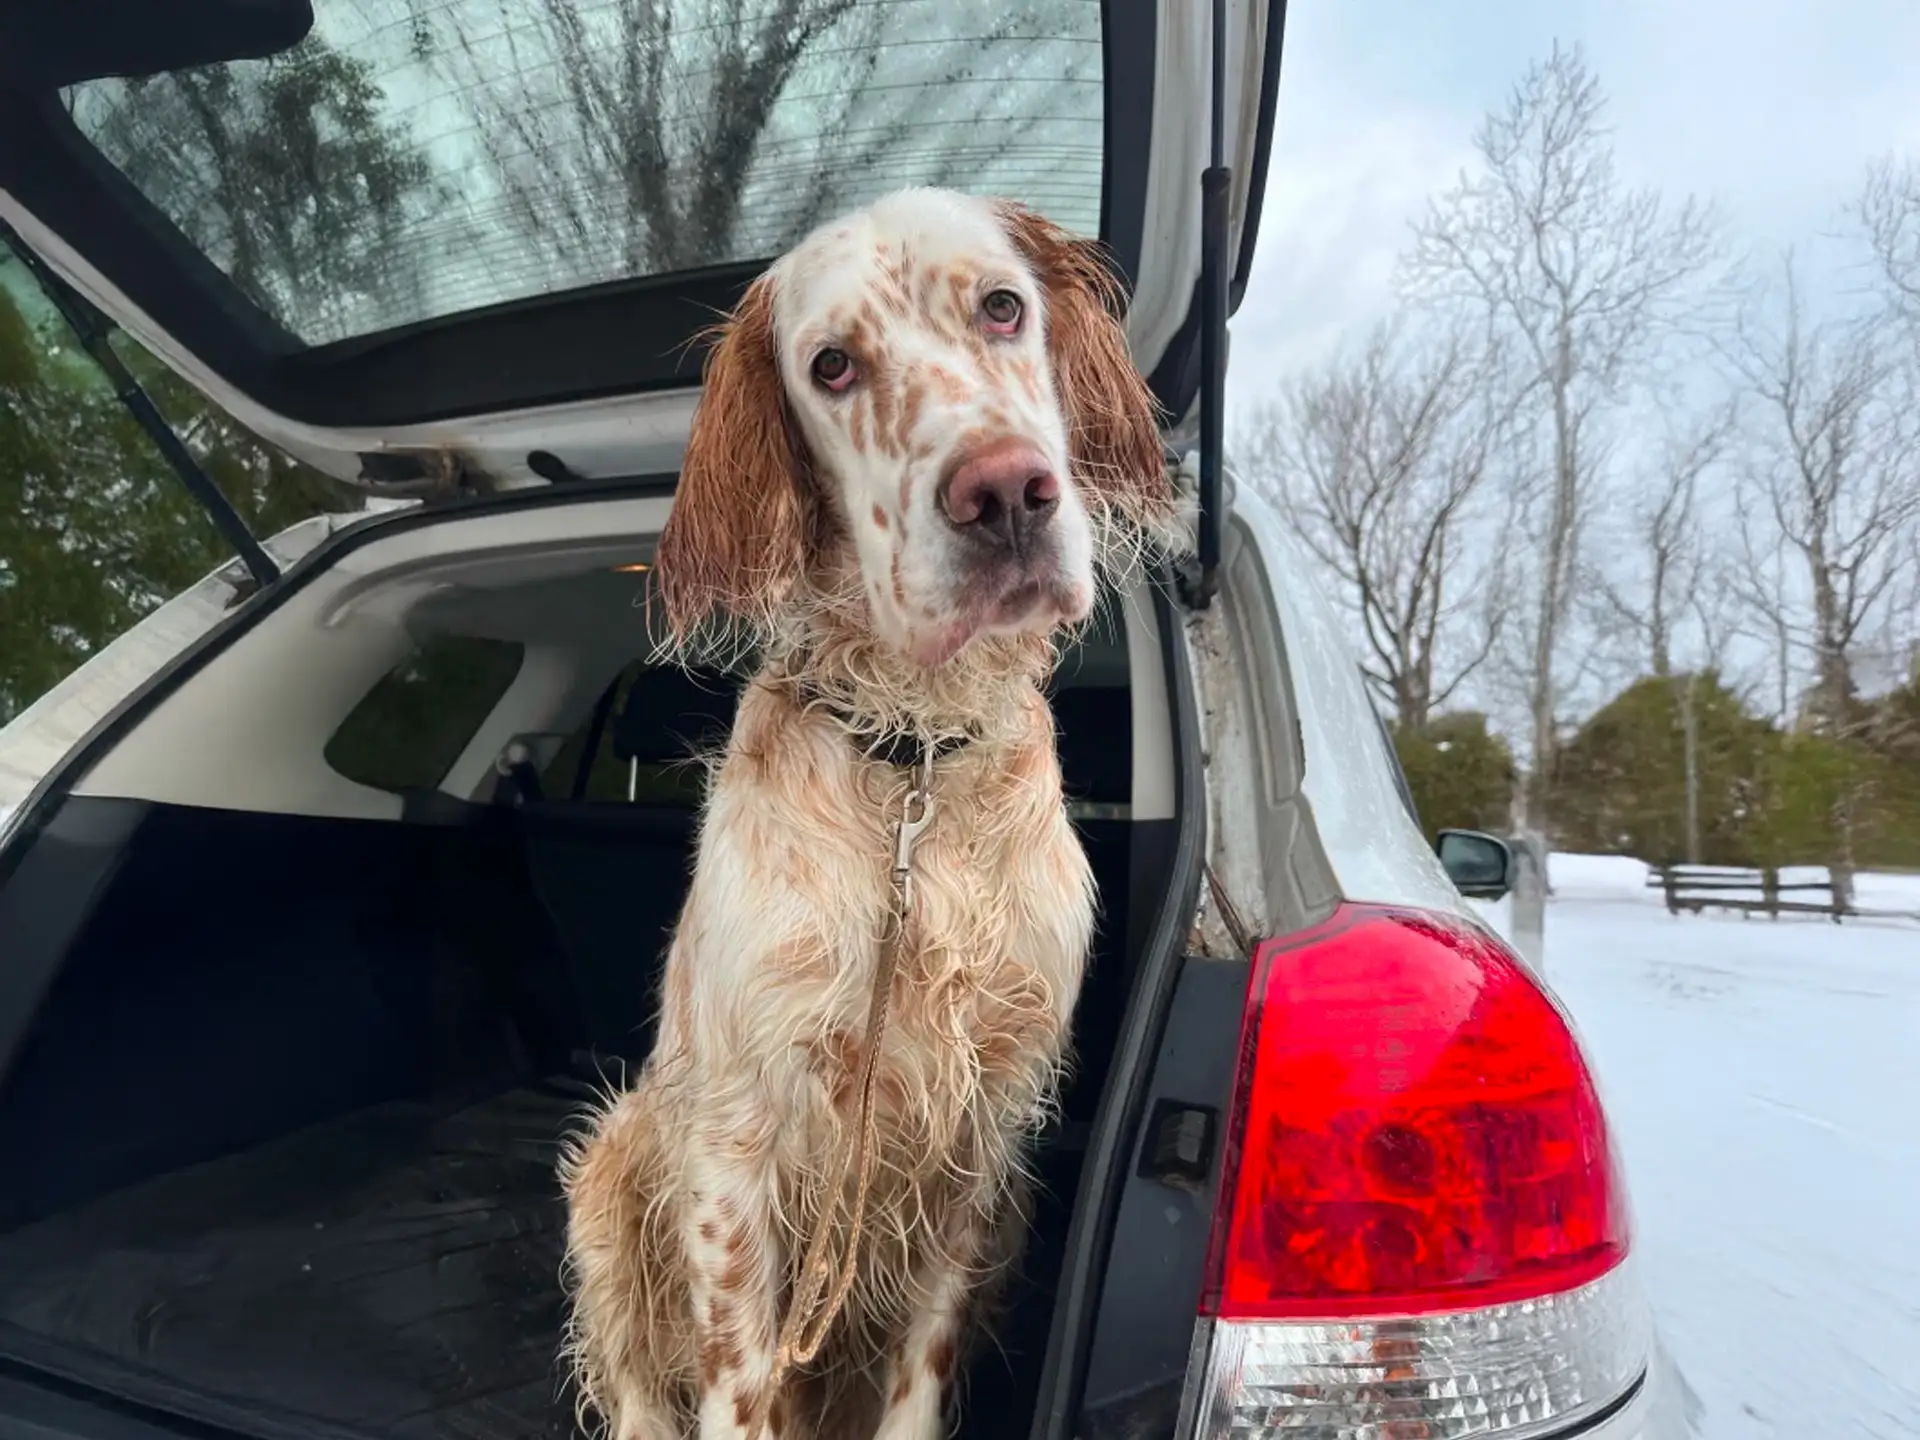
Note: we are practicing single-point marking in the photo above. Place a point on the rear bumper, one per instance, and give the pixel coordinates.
(1661, 1408)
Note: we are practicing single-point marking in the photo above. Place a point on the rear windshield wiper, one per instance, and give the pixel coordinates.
(94, 330)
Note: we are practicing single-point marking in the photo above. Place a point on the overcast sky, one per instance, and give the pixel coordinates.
(1769, 107)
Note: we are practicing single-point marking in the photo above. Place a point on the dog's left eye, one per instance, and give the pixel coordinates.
(1002, 309)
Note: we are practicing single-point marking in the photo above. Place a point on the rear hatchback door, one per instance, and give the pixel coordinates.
(379, 230)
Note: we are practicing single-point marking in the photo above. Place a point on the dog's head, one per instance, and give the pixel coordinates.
(936, 394)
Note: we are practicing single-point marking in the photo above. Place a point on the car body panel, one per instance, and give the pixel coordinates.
(1373, 844)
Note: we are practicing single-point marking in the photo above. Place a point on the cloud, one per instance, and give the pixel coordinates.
(1342, 193)
(1770, 108)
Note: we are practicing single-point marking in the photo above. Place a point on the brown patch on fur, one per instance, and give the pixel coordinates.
(960, 292)
(857, 423)
(880, 518)
(1028, 375)
(902, 1387)
(1113, 436)
(719, 1355)
(940, 1356)
(952, 388)
(742, 1408)
(913, 401)
(709, 1231)
(883, 386)
(745, 514)
(739, 1270)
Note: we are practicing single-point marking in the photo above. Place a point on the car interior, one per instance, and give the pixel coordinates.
(294, 1101)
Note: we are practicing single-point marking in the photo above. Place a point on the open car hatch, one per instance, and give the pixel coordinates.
(382, 230)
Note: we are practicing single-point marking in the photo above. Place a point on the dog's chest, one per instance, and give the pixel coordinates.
(988, 937)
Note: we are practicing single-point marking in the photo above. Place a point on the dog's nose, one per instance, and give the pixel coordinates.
(1000, 492)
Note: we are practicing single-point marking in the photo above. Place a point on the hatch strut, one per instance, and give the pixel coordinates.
(1216, 190)
(92, 329)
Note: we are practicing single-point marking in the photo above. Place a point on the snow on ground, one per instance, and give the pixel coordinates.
(1764, 1083)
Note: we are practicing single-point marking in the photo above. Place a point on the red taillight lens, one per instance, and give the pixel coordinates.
(1417, 1131)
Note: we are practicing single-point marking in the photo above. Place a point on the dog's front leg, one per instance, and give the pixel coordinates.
(959, 1271)
(734, 1262)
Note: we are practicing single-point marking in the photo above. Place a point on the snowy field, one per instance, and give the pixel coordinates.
(1764, 1082)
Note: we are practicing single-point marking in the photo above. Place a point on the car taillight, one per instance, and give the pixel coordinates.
(1421, 1228)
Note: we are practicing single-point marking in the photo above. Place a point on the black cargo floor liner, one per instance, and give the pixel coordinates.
(393, 1274)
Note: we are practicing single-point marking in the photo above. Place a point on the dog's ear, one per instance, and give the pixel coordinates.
(1112, 417)
(736, 540)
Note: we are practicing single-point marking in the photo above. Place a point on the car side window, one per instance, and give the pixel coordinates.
(408, 731)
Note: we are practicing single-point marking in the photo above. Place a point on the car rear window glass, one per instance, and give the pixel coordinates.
(419, 158)
(411, 727)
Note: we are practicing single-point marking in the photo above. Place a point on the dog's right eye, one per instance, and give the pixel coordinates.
(833, 370)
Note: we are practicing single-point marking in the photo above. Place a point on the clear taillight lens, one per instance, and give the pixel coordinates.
(1533, 1367)
(1421, 1228)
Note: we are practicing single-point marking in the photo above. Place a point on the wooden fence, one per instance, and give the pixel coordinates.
(1694, 888)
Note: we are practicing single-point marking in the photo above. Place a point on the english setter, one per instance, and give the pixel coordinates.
(921, 441)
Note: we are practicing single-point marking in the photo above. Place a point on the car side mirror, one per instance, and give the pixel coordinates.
(1480, 865)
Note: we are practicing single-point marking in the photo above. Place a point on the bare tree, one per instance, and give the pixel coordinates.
(1887, 213)
(1665, 533)
(1379, 462)
(1579, 276)
(1831, 472)
(1671, 586)
(286, 172)
(624, 137)
(1831, 475)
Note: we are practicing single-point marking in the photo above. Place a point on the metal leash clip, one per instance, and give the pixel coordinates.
(916, 813)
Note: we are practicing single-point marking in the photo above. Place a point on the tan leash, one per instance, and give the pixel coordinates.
(814, 1305)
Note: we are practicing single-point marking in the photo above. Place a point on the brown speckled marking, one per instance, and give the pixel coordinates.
(742, 1409)
(739, 1272)
(720, 1355)
(940, 1359)
(913, 401)
(709, 1231)
(960, 291)
(858, 423)
(952, 388)
(880, 521)
(1028, 374)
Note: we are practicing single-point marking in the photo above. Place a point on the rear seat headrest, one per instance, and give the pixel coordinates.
(671, 713)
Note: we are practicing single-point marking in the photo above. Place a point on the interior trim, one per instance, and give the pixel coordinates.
(1116, 1124)
(118, 722)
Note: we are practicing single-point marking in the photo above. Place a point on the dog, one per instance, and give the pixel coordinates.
(921, 446)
